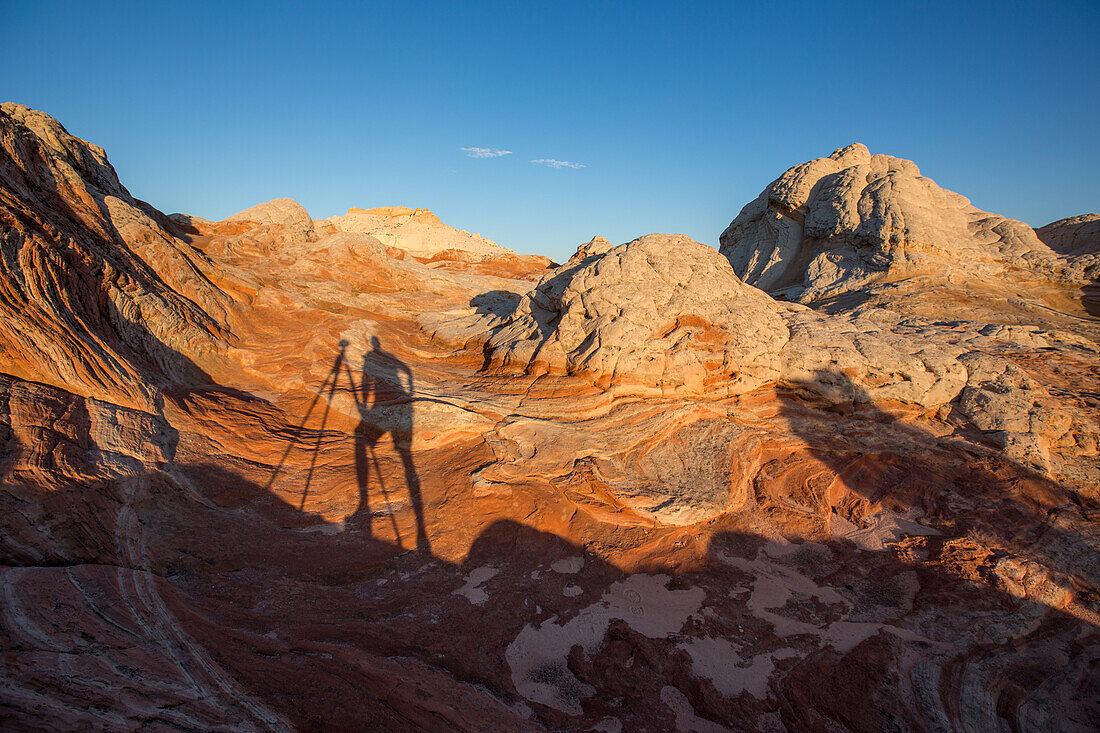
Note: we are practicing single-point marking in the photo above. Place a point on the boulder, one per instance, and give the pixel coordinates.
(664, 313)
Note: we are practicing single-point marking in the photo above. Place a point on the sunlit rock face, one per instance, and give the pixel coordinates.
(98, 297)
(663, 310)
(666, 315)
(856, 222)
(278, 473)
(418, 231)
(1074, 236)
(284, 215)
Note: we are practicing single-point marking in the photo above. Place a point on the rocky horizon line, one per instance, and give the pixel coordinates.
(841, 472)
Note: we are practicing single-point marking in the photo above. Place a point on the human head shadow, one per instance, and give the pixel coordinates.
(382, 389)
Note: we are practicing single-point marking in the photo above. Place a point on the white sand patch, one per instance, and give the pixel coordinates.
(716, 659)
(879, 530)
(572, 590)
(537, 656)
(844, 636)
(477, 576)
(686, 719)
(568, 566)
(773, 585)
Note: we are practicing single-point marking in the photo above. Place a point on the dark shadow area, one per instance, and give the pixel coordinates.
(384, 399)
(961, 490)
(341, 629)
(383, 393)
(499, 303)
(419, 607)
(1090, 298)
(986, 656)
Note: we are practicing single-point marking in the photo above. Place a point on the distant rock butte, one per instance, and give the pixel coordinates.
(371, 472)
(417, 231)
(423, 215)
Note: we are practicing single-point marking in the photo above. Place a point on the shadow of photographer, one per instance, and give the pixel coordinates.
(383, 394)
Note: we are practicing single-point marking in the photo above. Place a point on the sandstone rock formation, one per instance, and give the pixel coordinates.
(417, 231)
(662, 310)
(98, 297)
(267, 473)
(1077, 235)
(860, 223)
(666, 315)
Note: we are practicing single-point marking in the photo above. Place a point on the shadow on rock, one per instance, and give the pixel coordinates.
(887, 476)
(499, 303)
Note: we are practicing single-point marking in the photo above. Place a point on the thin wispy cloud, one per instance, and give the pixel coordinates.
(551, 163)
(485, 152)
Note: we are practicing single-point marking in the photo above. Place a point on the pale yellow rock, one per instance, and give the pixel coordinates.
(418, 231)
(854, 220)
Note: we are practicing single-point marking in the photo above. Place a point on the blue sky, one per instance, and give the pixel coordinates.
(679, 113)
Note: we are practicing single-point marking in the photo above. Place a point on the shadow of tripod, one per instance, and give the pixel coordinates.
(328, 389)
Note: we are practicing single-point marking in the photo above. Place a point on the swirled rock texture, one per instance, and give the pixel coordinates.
(1076, 235)
(97, 296)
(270, 474)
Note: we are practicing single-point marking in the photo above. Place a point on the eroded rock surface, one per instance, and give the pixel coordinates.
(98, 297)
(417, 231)
(268, 473)
(872, 224)
(662, 310)
(1076, 235)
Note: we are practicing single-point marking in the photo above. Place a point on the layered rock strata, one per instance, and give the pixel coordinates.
(98, 296)
(412, 493)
